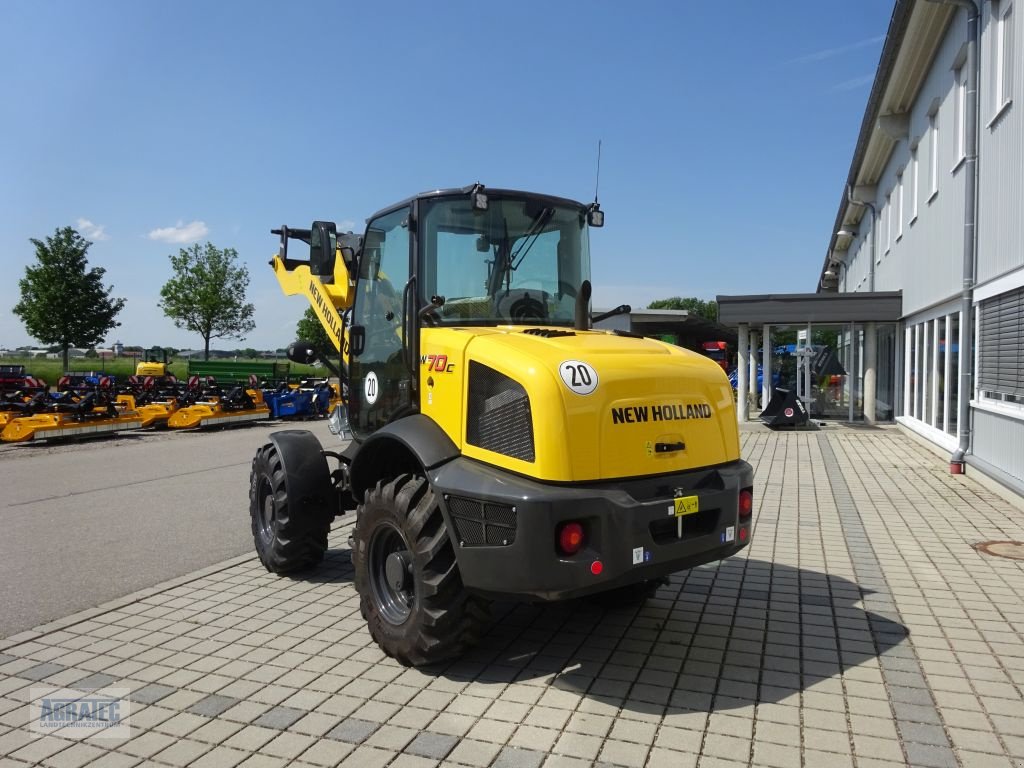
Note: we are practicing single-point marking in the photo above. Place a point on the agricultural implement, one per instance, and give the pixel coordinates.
(78, 409)
(206, 404)
(306, 400)
(156, 397)
(17, 391)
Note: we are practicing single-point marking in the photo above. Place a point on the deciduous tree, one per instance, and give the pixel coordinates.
(206, 294)
(312, 330)
(63, 301)
(706, 309)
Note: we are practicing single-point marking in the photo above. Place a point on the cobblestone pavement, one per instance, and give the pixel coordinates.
(859, 629)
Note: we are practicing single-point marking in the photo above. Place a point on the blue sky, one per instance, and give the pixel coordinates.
(727, 132)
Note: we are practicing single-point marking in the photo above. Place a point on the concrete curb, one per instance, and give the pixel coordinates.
(56, 625)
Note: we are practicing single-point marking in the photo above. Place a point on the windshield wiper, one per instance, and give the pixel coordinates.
(536, 226)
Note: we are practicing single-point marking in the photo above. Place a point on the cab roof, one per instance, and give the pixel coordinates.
(463, 191)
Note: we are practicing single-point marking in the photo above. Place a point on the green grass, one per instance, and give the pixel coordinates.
(123, 367)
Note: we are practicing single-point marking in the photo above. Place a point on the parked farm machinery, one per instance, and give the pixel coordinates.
(84, 405)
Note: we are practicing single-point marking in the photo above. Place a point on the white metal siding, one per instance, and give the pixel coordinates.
(926, 263)
(999, 441)
(1001, 175)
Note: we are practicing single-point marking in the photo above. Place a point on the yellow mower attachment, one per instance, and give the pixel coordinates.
(157, 414)
(236, 407)
(52, 426)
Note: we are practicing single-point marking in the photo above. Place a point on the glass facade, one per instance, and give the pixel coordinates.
(825, 365)
(931, 372)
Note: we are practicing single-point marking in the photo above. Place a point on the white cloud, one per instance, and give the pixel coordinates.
(346, 226)
(92, 231)
(181, 233)
(829, 53)
(853, 83)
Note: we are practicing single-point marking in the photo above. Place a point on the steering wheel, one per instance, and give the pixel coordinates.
(523, 305)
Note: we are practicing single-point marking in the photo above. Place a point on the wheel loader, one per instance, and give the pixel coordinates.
(500, 447)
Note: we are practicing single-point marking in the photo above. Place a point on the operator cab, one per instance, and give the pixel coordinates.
(448, 258)
(464, 257)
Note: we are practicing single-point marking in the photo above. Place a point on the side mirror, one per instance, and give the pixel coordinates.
(595, 216)
(302, 352)
(356, 340)
(323, 239)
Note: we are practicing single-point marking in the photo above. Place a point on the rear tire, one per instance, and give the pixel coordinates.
(286, 540)
(410, 590)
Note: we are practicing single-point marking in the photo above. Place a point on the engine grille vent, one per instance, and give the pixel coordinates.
(499, 416)
(548, 333)
(482, 523)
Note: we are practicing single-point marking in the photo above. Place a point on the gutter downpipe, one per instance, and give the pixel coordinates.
(966, 357)
(871, 266)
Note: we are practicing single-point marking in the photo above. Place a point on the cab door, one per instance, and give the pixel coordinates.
(380, 383)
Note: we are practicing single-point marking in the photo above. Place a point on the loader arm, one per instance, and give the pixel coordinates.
(328, 300)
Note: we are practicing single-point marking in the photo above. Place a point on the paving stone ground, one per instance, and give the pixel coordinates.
(859, 629)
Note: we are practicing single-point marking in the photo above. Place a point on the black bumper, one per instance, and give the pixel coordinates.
(504, 528)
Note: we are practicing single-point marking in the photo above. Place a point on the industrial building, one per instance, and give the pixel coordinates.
(932, 208)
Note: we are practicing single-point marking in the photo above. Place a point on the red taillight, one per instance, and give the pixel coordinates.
(570, 538)
(596, 567)
(746, 503)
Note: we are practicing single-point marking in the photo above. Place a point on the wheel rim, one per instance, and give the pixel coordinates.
(267, 510)
(389, 566)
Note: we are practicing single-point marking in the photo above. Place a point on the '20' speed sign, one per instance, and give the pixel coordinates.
(578, 376)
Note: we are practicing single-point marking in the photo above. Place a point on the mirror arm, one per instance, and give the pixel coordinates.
(622, 309)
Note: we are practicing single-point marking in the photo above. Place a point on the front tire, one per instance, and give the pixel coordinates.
(410, 590)
(287, 538)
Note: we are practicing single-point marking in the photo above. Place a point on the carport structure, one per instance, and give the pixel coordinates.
(677, 326)
(861, 330)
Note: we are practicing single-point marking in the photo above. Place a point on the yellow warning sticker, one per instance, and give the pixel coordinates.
(687, 505)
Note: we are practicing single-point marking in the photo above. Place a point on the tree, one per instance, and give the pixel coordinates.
(207, 294)
(706, 309)
(63, 302)
(312, 330)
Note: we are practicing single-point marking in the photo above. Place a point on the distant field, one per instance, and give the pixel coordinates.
(122, 367)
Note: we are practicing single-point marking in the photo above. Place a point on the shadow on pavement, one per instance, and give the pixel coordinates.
(719, 637)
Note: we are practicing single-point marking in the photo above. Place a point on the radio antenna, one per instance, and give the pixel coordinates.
(597, 182)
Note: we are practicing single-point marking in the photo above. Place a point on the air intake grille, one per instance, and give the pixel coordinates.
(499, 416)
(481, 523)
(548, 333)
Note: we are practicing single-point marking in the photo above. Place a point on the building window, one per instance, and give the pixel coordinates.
(938, 391)
(933, 155)
(960, 118)
(908, 371)
(1002, 55)
(921, 369)
(931, 372)
(899, 207)
(952, 355)
(913, 185)
(886, 223)
(1001, 348)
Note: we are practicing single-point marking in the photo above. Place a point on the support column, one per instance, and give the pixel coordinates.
(870, 371)
(742, 352)
(752, 371)
(766, 365)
